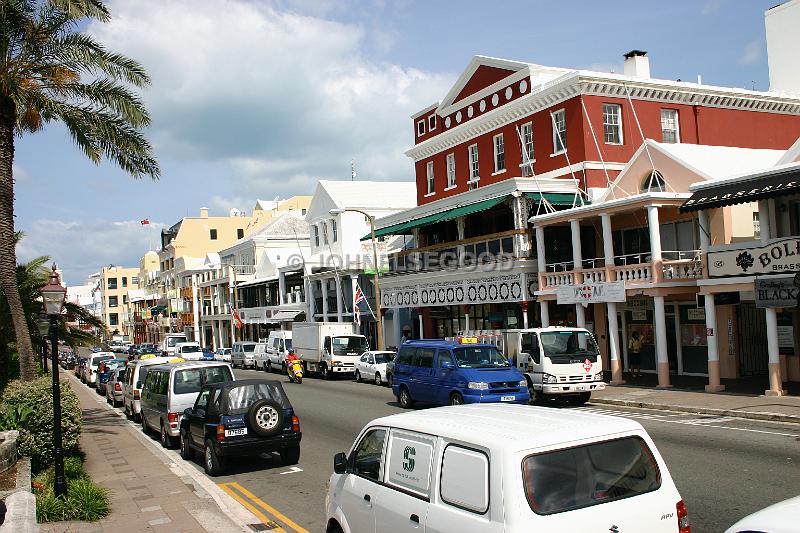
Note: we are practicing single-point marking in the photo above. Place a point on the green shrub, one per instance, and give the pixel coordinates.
(84, 500)
(36, 433)
(14, 417)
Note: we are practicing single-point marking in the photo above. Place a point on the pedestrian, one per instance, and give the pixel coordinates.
(406, 334)
(635, 354)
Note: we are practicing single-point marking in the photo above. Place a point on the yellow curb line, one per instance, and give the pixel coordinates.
(261, 516)
(271, 510)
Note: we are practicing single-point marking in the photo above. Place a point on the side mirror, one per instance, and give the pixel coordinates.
(340, 463)
(188, 411)
(447, 365)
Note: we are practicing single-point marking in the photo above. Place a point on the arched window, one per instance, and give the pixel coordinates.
(653, 182)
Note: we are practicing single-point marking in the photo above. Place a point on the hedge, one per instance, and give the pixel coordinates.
(36, 432)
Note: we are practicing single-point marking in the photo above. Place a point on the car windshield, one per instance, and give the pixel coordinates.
(596, 473)
(249, 347)
(349, 345)
(97, 360)
(190, 349)
(172, 341)
(564, 347)
(191, 380)
(241, 398)
(480, 357)
(383, 358)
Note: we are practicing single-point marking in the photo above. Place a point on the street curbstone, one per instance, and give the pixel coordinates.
(751, 415)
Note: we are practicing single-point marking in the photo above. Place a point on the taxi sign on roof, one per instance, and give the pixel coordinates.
(468, 340)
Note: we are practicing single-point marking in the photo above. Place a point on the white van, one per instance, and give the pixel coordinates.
(278, 345)
(135, 375)
(242, 354)
(260, 356)
(190, 351)
(557, 361)
(486, 468)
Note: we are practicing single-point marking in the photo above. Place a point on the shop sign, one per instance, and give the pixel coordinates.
(785, 337)
(589, 293)
(695, 314)
(639, 315)
(779, 257)
(638, 302)
(776, 292)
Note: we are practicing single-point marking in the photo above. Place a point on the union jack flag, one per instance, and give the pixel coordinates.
(358, 297)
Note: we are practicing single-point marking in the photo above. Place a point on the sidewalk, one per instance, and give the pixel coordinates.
(149, 493)
(635, 393)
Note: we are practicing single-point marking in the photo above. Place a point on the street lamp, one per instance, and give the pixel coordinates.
(378, 318)
(53, 295)
(44, 329)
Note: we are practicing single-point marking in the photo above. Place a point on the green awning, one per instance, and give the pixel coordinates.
(404, 228)
(555, 198)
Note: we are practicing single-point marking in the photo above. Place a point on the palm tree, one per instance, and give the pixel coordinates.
(49, 71)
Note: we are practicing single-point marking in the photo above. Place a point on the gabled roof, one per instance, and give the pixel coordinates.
(282, 225)
(370, 194)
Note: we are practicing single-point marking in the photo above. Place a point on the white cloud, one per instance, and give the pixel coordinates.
(752, 53)
(279, 98)
(80, 248)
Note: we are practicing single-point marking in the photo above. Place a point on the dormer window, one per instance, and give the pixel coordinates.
(420, 127)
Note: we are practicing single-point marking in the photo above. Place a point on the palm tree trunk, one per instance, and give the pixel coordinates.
(8, 254)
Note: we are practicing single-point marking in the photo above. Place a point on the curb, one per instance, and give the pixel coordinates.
(751, 415)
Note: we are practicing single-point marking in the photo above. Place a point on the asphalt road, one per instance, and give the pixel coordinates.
(725, 468)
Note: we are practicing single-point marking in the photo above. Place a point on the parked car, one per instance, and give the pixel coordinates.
(104, 370)
(279, 343)
(449, 372)
(485, 469)
(372, 366)
(132, 385)
(778, 518)
(189, 351)
(209, 355)
(114, 393)
(224, 354)
(170, 388)
(240, 418)
(260, 356)
(242, 354)
(90, 369)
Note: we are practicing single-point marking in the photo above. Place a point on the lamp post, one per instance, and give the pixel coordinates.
(378, 317)
(54, 295)
(44, 329)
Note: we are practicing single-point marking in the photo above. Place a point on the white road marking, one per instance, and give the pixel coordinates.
(710, 422)
(292, 470)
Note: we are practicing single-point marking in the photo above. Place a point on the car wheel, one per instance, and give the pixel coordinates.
(266, 417)
(405, 398)
(166, 441)
(324, 372)
(268, 366)
(389, 379)
(212, 463)
(186, 450)
(456, 399)
(378, 379)
(358, 376)
(145, 429)
(580, 399)
(290, 456)
(108, 401)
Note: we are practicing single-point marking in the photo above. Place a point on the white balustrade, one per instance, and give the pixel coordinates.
(683, 269)
(594, 275)
(556, 279)
(641, 273)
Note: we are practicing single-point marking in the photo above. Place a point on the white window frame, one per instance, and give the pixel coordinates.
(430, 179)
(554, 125)
(451, 171)
(316, 235)
(432, 122)
(333, 230)
(617, 115)
(499, 146)
(677, 124)
(421, 127)
(474, 164)
(526, 138)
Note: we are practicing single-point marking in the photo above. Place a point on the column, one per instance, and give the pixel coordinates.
(714, 384)
(544, 312)
(460, 223)
(281, 287)
(524, 307)
(519, 208)
(339, 298)
(577, 265)
(676, 309)
(196, 310)
(353, 285)
(773, 351)
(324, 286)
(662, 357)
(611, 311)
(308, 288)
(421, 323)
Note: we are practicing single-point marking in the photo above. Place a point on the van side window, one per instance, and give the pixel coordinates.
(424, 358)
(368, 456)
(201, 405)
(405, 356)
(163, 382)
(465, 479)
(445, 356)
(328, 344)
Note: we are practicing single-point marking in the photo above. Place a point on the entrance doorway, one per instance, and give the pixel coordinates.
(672, 345)
(753, 356)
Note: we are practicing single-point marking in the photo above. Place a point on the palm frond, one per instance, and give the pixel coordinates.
(83, 53)
(83, 9)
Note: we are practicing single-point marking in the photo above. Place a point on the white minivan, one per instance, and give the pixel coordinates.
(260, 356)
(485, 468)
(189, 351)
(242, 354)
(278, 345)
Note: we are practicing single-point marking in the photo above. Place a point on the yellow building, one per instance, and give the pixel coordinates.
(115, 284)
(265, 210)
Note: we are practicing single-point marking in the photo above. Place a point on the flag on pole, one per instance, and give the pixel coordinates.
(237, 319)
(358, 297)
(144, 221)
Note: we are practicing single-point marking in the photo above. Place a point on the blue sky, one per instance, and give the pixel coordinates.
(260, 99)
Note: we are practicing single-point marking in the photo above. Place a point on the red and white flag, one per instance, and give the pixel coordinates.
(237, 319)
(144, 221)
(358, 297)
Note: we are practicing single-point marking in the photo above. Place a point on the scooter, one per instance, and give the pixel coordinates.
(294, 368)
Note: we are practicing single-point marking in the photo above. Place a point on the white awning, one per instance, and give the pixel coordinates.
(284, 316)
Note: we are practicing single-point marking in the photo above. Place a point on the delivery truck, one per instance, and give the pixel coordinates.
(328, 348)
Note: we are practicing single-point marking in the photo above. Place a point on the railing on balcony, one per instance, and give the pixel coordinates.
(187, 318)
(556, 279)
(632, 274)
(295, 297)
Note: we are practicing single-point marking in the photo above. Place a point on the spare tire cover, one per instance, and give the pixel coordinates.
(265, 417)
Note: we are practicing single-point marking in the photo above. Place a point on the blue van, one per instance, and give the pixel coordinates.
(452, 373)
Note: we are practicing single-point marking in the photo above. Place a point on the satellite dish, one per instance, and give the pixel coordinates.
(235, 212)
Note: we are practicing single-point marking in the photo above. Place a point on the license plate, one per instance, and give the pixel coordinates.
(507, 398)
(235, 432)
(580, 387)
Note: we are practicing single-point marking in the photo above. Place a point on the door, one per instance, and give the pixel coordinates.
(421, 384)
(672, 345)
(197, 420)
(150, 385)
(753, 355)
(361, 365)
(369, 367)
(359, 492)
(535, 365)
(444, 379)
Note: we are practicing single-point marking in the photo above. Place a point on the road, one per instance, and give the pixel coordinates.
(725, 468)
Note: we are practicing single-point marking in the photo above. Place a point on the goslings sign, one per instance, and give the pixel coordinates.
(776, 292)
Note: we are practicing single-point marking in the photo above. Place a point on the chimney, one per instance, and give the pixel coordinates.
(637, 64)
(783, 40)
(203, 212)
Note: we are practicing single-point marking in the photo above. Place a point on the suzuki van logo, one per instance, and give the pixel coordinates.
(408, 458)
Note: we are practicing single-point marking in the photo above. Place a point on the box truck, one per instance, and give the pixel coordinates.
(328, 348)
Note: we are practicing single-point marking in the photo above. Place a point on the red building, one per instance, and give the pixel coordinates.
(474, 136)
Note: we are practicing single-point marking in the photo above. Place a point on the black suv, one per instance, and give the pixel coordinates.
(236, 418)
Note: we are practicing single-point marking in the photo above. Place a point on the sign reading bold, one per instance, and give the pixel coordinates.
(776, 292)
(779, 257)
(589, 293)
